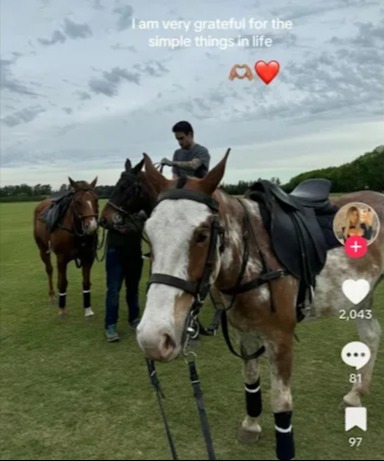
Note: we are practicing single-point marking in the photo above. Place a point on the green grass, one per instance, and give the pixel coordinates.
(67, 394)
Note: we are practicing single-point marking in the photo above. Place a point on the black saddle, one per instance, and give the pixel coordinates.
(299, 225)
(54, 214)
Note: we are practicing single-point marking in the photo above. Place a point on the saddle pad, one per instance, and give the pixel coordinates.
(54, 214)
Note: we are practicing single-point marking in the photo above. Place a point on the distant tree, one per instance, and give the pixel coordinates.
(366, 172)
(64, 188)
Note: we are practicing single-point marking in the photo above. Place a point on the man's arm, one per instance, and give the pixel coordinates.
(191, 165)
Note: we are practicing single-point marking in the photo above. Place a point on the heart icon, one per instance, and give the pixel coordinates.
(267, 71)
(356, 290)
(245, 72)
(241, 71)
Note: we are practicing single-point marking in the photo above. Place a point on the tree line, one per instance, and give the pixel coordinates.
(366, 172)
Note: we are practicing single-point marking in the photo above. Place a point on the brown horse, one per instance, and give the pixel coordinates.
(181, 230)
(74, 238)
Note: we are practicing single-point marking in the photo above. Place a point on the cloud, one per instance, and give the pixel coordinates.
(96, 5)
(119, 47)
(67, 110)
(125, 14)
(76, 31)
(23, 116)
(152, 68)
(71, 30)
(83, 95)
(57, 37)
(111, 81)
(9, 82)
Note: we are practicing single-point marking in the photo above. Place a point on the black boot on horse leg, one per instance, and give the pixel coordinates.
(62, 285)
(280, 356)
(250, 429)
(86, 269)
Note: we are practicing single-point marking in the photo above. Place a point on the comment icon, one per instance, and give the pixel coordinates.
(356, 354)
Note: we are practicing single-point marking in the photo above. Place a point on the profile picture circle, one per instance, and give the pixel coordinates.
(356, 219)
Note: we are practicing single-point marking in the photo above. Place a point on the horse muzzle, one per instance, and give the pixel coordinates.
(157, 344)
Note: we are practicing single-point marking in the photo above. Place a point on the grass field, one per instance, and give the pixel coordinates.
(67, 394)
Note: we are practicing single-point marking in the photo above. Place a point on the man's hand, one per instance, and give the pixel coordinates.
(166, 162)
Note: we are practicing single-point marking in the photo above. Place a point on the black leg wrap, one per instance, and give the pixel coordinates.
(285, 445)
(86, 299)
(62, 300)
(253, 399)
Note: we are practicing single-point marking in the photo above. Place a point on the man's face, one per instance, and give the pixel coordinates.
(185, 140)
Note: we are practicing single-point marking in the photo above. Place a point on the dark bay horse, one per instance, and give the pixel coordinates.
(74, 238)
(131, 194)
(180, 231)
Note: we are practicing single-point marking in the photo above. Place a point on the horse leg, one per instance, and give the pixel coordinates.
(280, 357)
(62, 283)
(369, 332)
(250, 429)
(45, 256)
(86, 269)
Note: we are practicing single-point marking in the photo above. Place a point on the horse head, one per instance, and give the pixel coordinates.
(131, 194)
(85, 205)
(186, 237)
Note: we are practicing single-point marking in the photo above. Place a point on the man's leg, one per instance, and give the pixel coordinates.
(115, 276)
(132, 280)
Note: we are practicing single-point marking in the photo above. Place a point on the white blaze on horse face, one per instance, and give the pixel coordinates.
(170, 230)
(92, 223)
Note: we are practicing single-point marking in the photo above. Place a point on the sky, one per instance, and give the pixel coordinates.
(82, 90)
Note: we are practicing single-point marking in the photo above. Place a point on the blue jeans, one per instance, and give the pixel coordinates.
(122, 267)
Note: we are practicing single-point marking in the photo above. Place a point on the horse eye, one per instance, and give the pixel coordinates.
(202, 237)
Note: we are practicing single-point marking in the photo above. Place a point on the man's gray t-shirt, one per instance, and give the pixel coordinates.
(183, 155)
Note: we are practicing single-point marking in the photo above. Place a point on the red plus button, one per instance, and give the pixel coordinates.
(356, 247)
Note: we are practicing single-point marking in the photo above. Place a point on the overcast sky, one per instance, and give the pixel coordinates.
(81, 90)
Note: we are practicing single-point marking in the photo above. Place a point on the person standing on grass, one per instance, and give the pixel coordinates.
(124, 262)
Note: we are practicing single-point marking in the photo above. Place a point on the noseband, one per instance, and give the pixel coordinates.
(200, 289)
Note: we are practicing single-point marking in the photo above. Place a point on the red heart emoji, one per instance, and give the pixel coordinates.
(267, 71)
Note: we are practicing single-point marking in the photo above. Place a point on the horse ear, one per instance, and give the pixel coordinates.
(138, 167)
(210, 182)
(128, 165)
(93, 183)
(72, 182)
(158, 181)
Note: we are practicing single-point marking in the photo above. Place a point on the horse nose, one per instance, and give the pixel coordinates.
(160, 346)
(91, 226)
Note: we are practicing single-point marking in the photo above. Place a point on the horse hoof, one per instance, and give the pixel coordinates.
(88, 312)
(248, 437)
(349, 402)
(61, 315)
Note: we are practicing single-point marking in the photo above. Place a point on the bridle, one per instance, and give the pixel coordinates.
(124, 212)
(78, 216)
(199, 289)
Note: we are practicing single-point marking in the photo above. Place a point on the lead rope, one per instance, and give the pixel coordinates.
(160, 396)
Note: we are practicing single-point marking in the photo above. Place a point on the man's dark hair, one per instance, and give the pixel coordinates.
(183, 127)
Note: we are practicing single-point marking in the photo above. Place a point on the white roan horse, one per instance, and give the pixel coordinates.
(179, 233)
